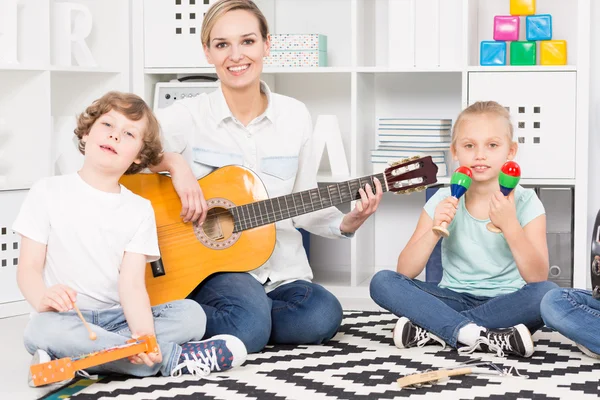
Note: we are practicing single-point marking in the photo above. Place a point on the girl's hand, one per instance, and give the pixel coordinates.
(57, 298)
(503, 212)
(445, 211)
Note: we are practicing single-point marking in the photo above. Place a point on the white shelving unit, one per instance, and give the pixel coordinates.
(36, 93)
(359, 85)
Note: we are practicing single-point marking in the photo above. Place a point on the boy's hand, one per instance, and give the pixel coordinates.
(503, 212)
(146, 358)
(445, 211)
(57, 298)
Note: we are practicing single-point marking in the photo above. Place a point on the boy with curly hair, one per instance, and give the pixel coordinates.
(86, 239)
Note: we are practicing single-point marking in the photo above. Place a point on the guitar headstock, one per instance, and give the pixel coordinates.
(411, 175)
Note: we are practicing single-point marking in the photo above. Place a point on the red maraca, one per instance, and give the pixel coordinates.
(509, 178)
(459, 184)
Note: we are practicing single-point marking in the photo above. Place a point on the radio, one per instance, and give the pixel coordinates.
(165, 93)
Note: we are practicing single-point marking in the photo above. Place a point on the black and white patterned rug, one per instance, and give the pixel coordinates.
(362, 363)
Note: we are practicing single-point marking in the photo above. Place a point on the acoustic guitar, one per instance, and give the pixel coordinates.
(238, 234)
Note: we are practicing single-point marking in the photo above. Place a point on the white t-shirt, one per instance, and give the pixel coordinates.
(87, 231)
(277, 145)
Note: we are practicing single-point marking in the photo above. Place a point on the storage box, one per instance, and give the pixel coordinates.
(297, 50)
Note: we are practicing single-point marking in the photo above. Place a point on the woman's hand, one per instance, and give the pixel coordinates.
(193, 204)
(364, 207)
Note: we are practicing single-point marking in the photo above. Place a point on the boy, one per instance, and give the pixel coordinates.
(86, 240)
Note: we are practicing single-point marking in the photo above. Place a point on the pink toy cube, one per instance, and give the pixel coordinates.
(506, 27)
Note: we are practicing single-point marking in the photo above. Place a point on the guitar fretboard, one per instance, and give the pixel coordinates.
(276, 209)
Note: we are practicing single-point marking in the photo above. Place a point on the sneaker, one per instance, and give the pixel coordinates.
(406, 334)
(219, 353)
(515, 341)
(588, 352)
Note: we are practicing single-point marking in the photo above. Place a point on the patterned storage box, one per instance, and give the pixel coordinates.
(297, 50)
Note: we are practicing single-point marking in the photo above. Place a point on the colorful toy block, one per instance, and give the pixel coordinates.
(538, 27)
(492, 53)
(522, 7)
(553, 52)
(522, 53)
(506, 27)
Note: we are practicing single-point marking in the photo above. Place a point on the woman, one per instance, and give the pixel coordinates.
(243, 123)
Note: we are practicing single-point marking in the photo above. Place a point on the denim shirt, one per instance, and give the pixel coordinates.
(276, 145)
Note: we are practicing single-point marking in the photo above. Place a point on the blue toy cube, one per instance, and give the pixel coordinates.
(538, 27)
(492, 53)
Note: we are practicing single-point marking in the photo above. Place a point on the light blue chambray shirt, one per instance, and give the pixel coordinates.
(478, 261)
(276, 145)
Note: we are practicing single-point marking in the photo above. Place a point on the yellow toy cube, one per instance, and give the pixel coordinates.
(553, 52)
(522, 7)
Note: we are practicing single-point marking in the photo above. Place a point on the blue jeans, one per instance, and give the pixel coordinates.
(575, 314)
(299, 312)
(443, 311)
(64, 335)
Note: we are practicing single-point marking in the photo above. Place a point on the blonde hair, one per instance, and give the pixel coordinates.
(135, 109)
(222, 7)
(482, 108)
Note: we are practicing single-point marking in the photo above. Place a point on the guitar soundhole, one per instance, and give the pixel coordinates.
(217, 230)
(218, 224)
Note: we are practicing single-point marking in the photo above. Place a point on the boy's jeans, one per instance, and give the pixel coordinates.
(443, 311)
(575, 314)
(64, 335)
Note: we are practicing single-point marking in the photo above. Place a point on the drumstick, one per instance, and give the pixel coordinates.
(92, 334)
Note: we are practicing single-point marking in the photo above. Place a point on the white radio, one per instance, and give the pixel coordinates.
(165, 93)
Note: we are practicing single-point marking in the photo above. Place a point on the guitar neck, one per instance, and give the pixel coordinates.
(276, 209)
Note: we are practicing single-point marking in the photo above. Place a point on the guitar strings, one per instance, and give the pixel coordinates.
(298, 209)
(322, 190)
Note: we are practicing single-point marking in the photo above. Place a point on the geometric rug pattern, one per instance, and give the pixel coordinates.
(361, 362)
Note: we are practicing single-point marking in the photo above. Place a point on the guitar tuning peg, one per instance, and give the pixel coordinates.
(415, 157)
(394, 163)
(404, 160)
(420, 188)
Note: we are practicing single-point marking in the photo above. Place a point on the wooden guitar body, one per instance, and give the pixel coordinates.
(191, 253)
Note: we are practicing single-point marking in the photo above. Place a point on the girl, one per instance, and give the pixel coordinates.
(490, 281)
(244, 123)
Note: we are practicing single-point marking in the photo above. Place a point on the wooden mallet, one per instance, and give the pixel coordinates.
(92, 333)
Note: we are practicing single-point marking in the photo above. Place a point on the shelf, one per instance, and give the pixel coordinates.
(527, 182)
(18, 67)
(68, 69)
(406, 69)
(266, 70)
(522, 68)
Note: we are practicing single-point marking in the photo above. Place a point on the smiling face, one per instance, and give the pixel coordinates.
(114, 142)
(483, 143)
(236, 48)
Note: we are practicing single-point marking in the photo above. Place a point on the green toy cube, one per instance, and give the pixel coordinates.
(522, 53)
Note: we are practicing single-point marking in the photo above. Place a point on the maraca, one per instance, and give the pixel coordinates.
(509, 177)
(459, 183)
